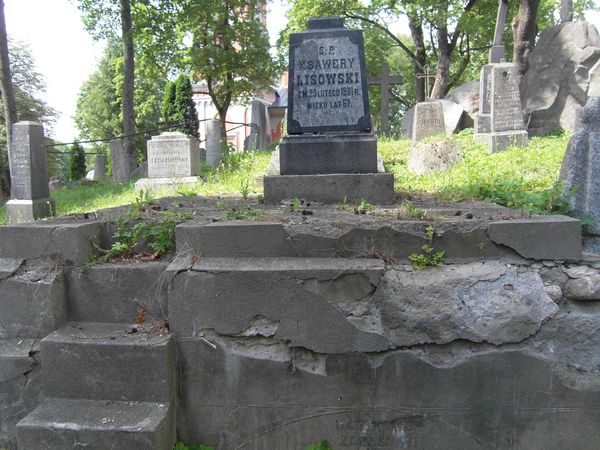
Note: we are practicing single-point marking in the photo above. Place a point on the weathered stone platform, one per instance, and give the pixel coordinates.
(301, 326)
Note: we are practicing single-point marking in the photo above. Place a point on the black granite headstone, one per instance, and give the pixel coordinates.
(328, 88)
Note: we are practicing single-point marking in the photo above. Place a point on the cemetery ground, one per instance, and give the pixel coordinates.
(506, 281)
(525, 178)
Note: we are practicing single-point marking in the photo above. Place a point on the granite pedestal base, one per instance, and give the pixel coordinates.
(501, 140)
(22, 211)
(376, 188)
(328, 153)
(165, 184)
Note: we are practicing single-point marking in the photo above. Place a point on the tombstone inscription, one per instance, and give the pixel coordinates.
(173, 160)
(327, 80)
(499, 122)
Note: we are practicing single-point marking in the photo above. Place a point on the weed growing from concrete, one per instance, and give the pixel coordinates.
(429, 255)
(295, 205)
(409, 210)
(244, 212)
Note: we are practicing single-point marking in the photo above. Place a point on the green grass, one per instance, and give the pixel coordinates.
(519, 177)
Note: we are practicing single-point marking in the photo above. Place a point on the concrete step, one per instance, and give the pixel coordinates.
(97, 425)
(32, 297)
(463, 241)
(69, 242)
(113, 292)
(106, 361)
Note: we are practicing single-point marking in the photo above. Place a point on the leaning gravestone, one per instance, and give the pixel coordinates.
(30, 195)
(499, 123)
(580, 170)
(173, 160)
(330, 153)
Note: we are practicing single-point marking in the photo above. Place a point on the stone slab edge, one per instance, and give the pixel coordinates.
(541, 238)
(376, 188)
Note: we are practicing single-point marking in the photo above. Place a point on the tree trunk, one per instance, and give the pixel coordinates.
(10, 106)
(440, 87)
(524, 31)
(128, 81)
(416, 32)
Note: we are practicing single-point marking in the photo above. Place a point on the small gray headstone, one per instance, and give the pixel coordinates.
(213, 143)
(328, 83)
(428, 121)
(441, 155)
(30, 195)
(581, 165)
(122, 165)
(173, 154)
(100, 168)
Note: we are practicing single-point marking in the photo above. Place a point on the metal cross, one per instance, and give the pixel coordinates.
(428, 75)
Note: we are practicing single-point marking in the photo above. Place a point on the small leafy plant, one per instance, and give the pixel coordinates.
(363, 207)
(159, 236)
(429, 255)
(411, 211)
(245, 188)
(244, 212)
(295, 205)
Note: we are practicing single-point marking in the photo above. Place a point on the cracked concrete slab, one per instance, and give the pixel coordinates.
(300, 295)
(498, 399)
(32, 300)
(20, 385)
(542, 237)
(477, 302)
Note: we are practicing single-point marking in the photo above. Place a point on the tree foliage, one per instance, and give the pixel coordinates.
(28, 84)
(77, 170)
(98, 113)
(185, 109)
(230, 49)
(168, 105)
(449, 37)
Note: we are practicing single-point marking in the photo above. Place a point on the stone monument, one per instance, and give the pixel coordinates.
(437, 153)
(122, 164)
(173, 160)
(499, 123)
(100, 168)
(213, 143)
(30, 196)
(330, 152)
(580, 171)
